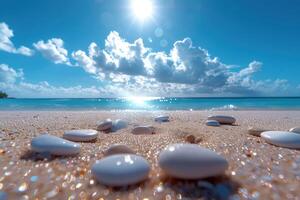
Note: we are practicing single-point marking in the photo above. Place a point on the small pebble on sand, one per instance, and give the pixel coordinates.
(83, 135)
(104, 125)
(118, 149)
(162, 118)
(222, 119)
(121, 170)
(118, 125)
(54, 145)
(190, 161)
(212, 123)
(295, 130)
(282, 139)
(143, 130)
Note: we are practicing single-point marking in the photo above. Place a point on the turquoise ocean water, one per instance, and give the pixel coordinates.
(138, 103)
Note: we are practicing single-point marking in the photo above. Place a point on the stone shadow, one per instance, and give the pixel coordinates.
(219, 188)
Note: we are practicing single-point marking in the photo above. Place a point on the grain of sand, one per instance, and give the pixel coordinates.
(257, 170)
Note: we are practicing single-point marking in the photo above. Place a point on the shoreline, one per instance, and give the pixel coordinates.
(257, 170)
(137, 104)
(156, 110)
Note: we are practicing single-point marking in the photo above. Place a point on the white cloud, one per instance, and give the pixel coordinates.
(9, 75)
(277, 87)
(244, 76)
(85, 61)
(12, 82)
(185, 66)
(45, 90)
(125, 68)
(53, 50)
(7, 45)
(24, 51)
(118, 56)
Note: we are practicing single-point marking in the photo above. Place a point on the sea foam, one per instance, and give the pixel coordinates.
(225, 107)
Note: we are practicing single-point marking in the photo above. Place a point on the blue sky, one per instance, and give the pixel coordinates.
(103, 48)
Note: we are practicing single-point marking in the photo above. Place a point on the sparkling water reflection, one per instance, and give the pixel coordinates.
(151, 103)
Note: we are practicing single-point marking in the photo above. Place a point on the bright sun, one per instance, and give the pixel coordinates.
(142, 9)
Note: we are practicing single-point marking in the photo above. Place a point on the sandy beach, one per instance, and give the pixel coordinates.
(257, 170)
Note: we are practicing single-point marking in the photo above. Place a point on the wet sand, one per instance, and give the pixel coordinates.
(257, 170)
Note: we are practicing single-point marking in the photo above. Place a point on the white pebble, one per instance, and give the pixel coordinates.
(212, 123)
(162, 118)
(83, 135)
(54, 145)
(104, 125)
(121, 170)
(222, 119)
(295, 130)
(119, 124)
(139, 130)
(189, 161)
(282, 138)
(118, 149)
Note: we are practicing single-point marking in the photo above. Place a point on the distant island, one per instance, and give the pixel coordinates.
(3, 95)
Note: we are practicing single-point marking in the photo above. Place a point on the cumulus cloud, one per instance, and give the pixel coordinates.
(276, 87)
(12, 82)
(118, 57)
(8, 75)
(53, 50)
(130, 68)
(85, 61)
(45, 90)
(7, 45)
(185, 67)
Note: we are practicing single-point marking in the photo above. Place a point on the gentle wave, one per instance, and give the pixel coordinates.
(153, 103)
(226, 107)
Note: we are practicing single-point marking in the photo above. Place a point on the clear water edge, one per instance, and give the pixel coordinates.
(153, 103)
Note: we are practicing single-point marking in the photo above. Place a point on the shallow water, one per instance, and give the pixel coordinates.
(152, 103)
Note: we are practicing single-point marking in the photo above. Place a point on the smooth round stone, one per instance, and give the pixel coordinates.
(162, 118)
(256, 131)
(212, 123)
(189, 161)
(295, 130)
(54, 145)
(139, 130)
(121, 170)
(222, 119)
(104, 125)
(282, 138)
(83, 135)
(118, 149)
(119, 124)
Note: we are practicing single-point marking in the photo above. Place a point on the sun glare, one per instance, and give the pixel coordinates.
(137, 100)
(140, 101)
(142, 9)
